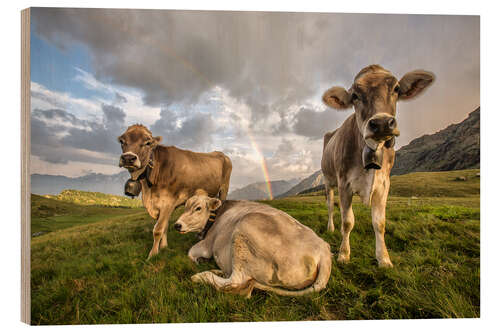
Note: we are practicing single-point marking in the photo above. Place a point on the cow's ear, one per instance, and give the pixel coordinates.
(413, 83)
(214, 203)
(157, 139)
(337, 98)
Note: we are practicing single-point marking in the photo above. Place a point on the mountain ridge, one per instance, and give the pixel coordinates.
(259, 191)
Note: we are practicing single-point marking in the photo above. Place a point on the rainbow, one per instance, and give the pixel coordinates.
(263, 164)
(193, 69)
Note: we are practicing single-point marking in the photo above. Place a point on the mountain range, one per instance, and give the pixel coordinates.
(258, 191)
(94, 182)
(454, 148)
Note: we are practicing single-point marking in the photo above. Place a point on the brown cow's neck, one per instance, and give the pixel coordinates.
(355, 133)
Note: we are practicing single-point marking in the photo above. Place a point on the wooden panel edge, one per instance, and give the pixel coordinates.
(25, 167)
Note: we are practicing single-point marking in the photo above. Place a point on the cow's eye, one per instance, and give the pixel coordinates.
(148, 143)
(354, 97)
(198, 209)
(396, 89)
(122, 142)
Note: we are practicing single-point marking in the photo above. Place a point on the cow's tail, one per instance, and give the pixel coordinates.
(324, 270)
(226, 177)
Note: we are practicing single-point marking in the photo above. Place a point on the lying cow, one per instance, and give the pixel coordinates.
(169, 176)
(256, 246)
(358, 156)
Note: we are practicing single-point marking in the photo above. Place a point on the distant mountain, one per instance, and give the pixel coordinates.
(454, 148)
(313, 180)
(258, 191)
(94, 182)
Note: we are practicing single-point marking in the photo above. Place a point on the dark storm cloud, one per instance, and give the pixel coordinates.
(113, 114)
(60, 154)
(114, 120)
(119, 98)
(314, 125)
(273, 60)
(192, 132)
(56, 132)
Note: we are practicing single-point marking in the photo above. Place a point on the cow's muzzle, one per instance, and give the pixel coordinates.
(380, 128)
(179, 227)
(130, 161)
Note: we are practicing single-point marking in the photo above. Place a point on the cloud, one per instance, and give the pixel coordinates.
(192, 132)
(71, 168)
(43, 98)
(59, 136)
(313, 124)
(205, 80)
(269, 61)
(119, 98)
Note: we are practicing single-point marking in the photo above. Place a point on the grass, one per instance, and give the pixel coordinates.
(96, 272)
(95, 198)
(50, 214)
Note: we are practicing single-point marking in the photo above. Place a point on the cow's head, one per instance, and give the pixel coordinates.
(374, 94)
(196, 212)
(137, 144)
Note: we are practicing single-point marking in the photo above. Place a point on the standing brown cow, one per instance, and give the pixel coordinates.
(358, 156)
(169, 176)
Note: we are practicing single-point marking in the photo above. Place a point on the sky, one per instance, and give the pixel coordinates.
(245, 83)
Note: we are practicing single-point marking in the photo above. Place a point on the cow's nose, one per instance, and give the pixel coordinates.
(178, 226)
(374, 125)
(382, 125)
(391, 123)
(128, 158)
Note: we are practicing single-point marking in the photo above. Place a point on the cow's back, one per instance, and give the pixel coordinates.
(181, 170)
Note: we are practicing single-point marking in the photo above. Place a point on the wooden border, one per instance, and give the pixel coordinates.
(25, 167)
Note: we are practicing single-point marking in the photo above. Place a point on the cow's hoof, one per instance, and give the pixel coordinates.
(217, 272)
(197, 278)
(386, 263)
(193, 259)
(343, 259)
(152, 254)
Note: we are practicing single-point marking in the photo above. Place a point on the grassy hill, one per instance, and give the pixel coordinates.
(97, 273)
(51, 214)
(95, 198)
(460, 183)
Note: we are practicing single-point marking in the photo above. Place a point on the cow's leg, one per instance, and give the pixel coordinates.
(163, 240)
(331, 205)
(379, 201)
(159, 230)
(347, 217)
(237, 283)
(199, 250)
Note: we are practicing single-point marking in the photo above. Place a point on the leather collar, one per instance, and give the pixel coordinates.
(211, 220)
